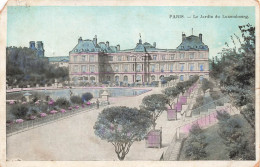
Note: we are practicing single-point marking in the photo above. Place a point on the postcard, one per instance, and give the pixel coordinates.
(129, 83)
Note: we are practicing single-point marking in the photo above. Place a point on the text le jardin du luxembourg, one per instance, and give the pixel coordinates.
(173, 16)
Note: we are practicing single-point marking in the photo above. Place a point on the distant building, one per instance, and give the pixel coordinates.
(90, 61)
(39, 49)
(61, 61)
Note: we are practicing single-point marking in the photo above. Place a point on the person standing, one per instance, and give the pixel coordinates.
(97, 102)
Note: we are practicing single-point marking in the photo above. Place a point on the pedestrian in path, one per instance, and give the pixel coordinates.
(97, 102)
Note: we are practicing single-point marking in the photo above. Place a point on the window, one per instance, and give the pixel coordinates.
(83, 68)
(154, 57)
(181, 78)
(125, 79)
(83, 58)
(110, 58)
(191, 55)
(128, 58)
(92, 68)
(108, 68)
(138, 68)
(191, 67)
(75, 58)
(119, 58)
(138, 78)
(117, 78)
(153, 67)
(108, 78)
(116, 68)
(201, 67)
(182, 56)
(171, 67)
(162, 68)
(125, 67)
(181, 66)
(163, 57)
(182, 47)
(75, 68)
(201, 55)
(201, 78)
(153, 78)
(92, 58)
(172, 57)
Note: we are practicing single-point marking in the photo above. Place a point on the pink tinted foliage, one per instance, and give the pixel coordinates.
(62, 111)
(53, 111)
(70, 108)
(19, 120)
(43, 114)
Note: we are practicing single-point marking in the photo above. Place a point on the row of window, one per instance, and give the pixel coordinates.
(92, 68)
(84, 58)
(190, 55)
(140, 67)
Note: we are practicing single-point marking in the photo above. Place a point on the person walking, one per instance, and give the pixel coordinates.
(97, 102)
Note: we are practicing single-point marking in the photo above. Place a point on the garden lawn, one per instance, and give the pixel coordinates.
(216, 149)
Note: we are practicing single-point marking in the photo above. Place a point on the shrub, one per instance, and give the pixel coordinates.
(62, 102)
(76, 100)
(87, 96)
(196, 144)
(19, 111)
(214, 95)
(199, 102)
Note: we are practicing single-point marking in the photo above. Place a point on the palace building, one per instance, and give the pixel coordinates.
(93, 62)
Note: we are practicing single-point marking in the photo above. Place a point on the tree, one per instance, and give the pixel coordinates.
(76, 99)
(155, 104)
(236, 71)
(122, 126)
(87, 96)
(171, 93)
(206, 84)
(62, 102)
(20, 111)
(195, 148)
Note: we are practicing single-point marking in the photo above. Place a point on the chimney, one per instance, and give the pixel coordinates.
(80, 39)
(154, 44)
(183, 36)
(118, 47)
(95, 40)
(200, 36)
(39, 45)
(107, 44)
(32, 45)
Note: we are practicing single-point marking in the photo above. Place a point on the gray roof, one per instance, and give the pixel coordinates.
(59, 59)
(85, 46)
(89, 46)
(192, 43)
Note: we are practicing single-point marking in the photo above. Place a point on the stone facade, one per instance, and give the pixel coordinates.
(94, 62)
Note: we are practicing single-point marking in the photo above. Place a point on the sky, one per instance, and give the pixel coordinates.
(59, 27)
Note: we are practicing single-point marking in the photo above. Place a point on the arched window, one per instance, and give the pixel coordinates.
(161, 77)
(138, 78)
(116, 78)
(153, 78)
(92, 79)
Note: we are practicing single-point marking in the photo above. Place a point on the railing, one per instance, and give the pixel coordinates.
(15, 128)
(211, 105)
(203, 119)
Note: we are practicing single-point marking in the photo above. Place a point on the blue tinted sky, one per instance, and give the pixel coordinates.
(60, 27)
